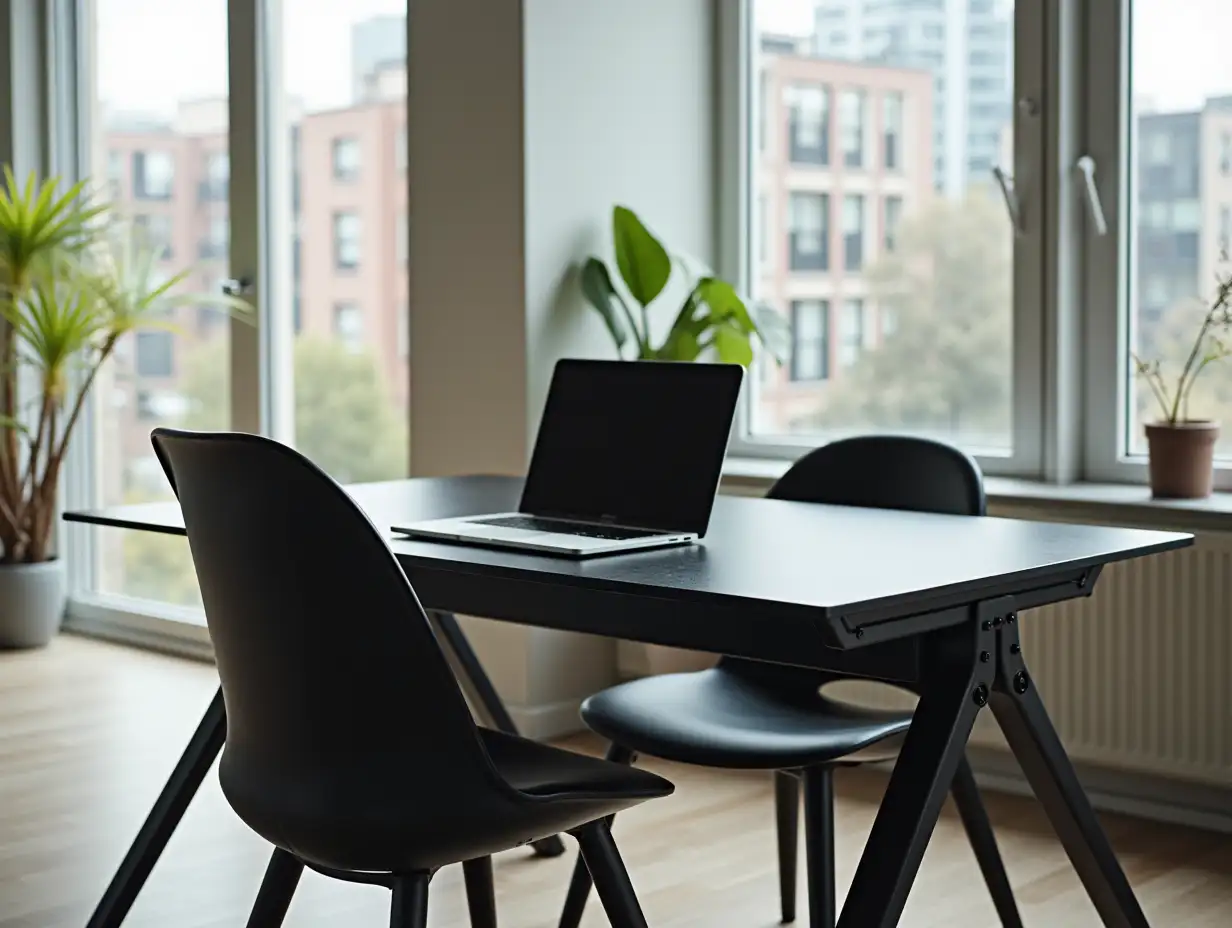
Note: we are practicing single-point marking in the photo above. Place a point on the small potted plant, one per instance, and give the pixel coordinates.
(1181, 450)
(73, 282)
(713, 320)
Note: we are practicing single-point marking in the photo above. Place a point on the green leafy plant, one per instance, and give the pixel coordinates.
(713, 318)
(73, 281)
(1209, 347)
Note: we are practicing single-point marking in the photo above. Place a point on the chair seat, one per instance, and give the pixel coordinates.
(549, 773)
(715, 718)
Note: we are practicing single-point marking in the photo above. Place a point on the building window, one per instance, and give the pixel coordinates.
(214, 245)
(853, 232)
(349, 325)
(345, 156)
(153, 175)
(889, 321)
(809, 233)
(155, 355)
(810, 340)
(400, 149)
(851, 332)
(808, 116)
(892, 131)
(154, 232)
(217, 184)
(346, 241)
(891, 218)
(1225, 229)
(851, 122)
(1225, 154)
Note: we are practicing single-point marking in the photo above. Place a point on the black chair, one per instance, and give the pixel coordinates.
(752, 715)
(349, 745)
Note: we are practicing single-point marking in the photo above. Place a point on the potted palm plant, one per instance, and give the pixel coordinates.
(713, 318)
(73, 282)
(1181, 449)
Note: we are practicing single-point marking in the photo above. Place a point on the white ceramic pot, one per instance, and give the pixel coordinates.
(32, 600)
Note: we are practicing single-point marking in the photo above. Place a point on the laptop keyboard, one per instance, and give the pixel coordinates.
(560, 527)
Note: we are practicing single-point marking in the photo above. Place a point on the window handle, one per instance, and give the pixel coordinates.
(1086, 166)
(237, 286)
(1006, 183)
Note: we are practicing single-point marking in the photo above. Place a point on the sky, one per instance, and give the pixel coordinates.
(153, 53)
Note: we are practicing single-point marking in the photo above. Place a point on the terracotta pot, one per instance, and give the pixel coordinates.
(1182, 458)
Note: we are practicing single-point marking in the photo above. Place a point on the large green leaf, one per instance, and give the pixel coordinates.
(725, 303)
(643, 261)
(598, 290)
(732, 345)
(773, 330)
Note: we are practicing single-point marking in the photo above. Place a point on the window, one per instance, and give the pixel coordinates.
(217, 183)
(853, 232)
(155, 232)
(892, 131)
(1225, 154)
(810, 340)
(214, 245)
(851, 127)
(346, 241)
(808, 124)
(894, 258)
(851, 332)
(809, 234)
(159, 116)
(892, 216)
(155, 355)
(153, 175)
(346, 158)
(349, 325)
(1225, 229)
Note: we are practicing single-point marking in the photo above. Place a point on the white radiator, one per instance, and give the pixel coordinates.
(1137, 678)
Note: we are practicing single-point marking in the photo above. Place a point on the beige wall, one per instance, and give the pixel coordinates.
(519, 144)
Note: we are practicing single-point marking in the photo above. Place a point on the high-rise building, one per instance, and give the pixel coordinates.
(375, 44)
(967, 46)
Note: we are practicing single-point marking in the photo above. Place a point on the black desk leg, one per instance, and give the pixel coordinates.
(956, 685)
(169, 808)
(1022, 716)
(474, 679)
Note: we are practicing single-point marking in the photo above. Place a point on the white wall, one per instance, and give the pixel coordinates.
(528, 121)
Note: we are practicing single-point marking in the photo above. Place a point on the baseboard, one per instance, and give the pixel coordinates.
(551, 720)
(1140, 795)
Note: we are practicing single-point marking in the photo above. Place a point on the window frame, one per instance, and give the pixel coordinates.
(1036, 451)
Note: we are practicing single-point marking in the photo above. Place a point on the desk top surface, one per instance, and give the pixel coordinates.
(827, 558)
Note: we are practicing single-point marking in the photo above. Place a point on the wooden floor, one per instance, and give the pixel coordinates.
(88, 732)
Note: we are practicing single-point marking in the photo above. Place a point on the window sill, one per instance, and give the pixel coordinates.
(1115, 503)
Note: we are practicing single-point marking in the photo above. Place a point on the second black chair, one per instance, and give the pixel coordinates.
(349, 745)
(751, 715)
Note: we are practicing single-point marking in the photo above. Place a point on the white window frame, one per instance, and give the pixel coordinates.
(1036, 450)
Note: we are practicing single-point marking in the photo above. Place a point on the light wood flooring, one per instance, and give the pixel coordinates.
(88, 732)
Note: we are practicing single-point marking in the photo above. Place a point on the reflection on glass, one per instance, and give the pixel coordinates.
(915, 258)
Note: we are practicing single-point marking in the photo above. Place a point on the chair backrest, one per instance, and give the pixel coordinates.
(880, 472)
(333, 681)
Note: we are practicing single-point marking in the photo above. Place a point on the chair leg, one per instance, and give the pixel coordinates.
(580, 883)
(984, 842)
(480, 892)
(787, 818)
(409, 908)
(277, 887)
(819, 845)
(611, 878)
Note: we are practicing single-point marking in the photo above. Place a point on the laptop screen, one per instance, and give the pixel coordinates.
(636, 443)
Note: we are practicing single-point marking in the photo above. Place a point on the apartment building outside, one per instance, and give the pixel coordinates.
(845, 151)
(967, 47)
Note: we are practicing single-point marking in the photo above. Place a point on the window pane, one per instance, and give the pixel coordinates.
(1180, 209)
(344, 93)
(920, 287)
(159, 114)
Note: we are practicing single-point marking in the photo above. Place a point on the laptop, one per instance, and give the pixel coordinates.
(628, 456)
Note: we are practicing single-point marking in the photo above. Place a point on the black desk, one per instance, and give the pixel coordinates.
(930, 601)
